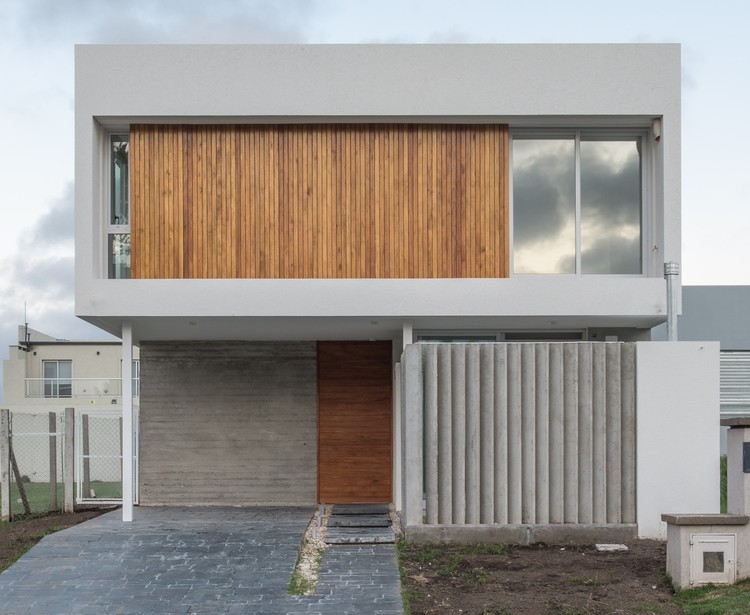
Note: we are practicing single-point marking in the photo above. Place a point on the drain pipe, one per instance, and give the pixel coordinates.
(671, 273)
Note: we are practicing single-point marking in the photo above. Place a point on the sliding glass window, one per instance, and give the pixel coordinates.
(577, 204)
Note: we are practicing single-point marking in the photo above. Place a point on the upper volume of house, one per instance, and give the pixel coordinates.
(321, 191)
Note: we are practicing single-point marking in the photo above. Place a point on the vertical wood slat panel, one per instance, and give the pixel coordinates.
(322, 201)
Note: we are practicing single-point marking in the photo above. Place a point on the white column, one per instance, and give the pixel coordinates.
(407, 334)
(127, 420)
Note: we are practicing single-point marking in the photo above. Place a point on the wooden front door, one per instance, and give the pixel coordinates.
(354, 422)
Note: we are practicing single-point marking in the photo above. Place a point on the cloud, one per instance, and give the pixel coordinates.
(38, 277)
(166, 21)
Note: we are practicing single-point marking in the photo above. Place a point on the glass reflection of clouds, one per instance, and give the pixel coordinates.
(544, 206)
(610, 207)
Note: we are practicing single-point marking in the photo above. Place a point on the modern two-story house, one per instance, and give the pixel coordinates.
(415, 274)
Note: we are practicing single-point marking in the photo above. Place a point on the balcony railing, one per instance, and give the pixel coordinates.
(77, 387)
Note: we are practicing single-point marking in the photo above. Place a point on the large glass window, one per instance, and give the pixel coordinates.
(58, 378)
(118, 232)
(577, 204)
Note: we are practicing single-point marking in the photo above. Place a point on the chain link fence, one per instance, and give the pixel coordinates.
(99, 453)
(35, 463)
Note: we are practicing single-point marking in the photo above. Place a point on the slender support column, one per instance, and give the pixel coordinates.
(127, 421)
(5, 464)
(407, 336)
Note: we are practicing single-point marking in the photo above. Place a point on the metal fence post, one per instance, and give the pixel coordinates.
(5, 464)
(69, 459)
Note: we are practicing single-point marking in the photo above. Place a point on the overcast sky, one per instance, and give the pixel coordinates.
(36, 107)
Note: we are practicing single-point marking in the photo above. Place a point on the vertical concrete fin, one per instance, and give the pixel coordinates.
(514, 434)
(445, 456)
(458, 424)
(541, 429)
(500, 401)
(570, 412)
(556, 460)
(599, 428)
(585, 469)
(413, 386)
(528, 433)
(487, 433)
(627, 421)
(473, 451)
(614, 430)
(431, 432)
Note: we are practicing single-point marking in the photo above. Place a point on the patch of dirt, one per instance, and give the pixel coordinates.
(18, 536)
(541, 579)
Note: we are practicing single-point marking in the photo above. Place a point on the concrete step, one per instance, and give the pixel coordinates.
(360, 509)
(359, 521)
(359, 524)
(350, 535)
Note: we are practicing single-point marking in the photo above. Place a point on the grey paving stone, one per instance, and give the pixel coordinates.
(200, 561)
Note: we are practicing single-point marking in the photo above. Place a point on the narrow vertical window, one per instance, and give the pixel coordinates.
(118, 235)
(136, 378)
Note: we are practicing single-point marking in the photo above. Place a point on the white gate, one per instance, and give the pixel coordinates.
(99, 457)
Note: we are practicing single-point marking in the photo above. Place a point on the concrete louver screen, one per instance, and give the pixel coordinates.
(520, 433)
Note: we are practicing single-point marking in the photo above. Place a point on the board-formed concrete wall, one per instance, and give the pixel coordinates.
(228, 423)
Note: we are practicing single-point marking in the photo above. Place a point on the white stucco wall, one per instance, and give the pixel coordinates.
(600, 86)
(677, 400)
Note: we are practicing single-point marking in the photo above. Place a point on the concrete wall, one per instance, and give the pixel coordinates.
(545, 434)
(678, 431)
(228, 423)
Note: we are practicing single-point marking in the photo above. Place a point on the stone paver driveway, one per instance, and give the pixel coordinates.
(195, 560)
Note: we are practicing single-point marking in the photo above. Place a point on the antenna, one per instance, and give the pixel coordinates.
(26, 334)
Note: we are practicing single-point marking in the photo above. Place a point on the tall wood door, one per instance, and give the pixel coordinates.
(354, 422)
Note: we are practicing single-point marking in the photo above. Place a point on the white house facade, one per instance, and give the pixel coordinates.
(420, 274)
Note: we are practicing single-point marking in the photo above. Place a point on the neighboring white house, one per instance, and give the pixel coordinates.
(44, 374)
(424, 274)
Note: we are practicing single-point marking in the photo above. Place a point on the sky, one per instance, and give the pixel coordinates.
(37, 39)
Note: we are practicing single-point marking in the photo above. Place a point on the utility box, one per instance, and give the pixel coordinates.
(712, 558)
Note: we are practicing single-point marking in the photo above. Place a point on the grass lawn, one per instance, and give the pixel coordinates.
(38, 496)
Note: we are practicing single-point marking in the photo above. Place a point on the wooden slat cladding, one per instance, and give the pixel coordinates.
(319, 201)
(354, 422)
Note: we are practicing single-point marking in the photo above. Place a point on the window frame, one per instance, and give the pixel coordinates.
(577, 135)
(55, 382)
(111, 229)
